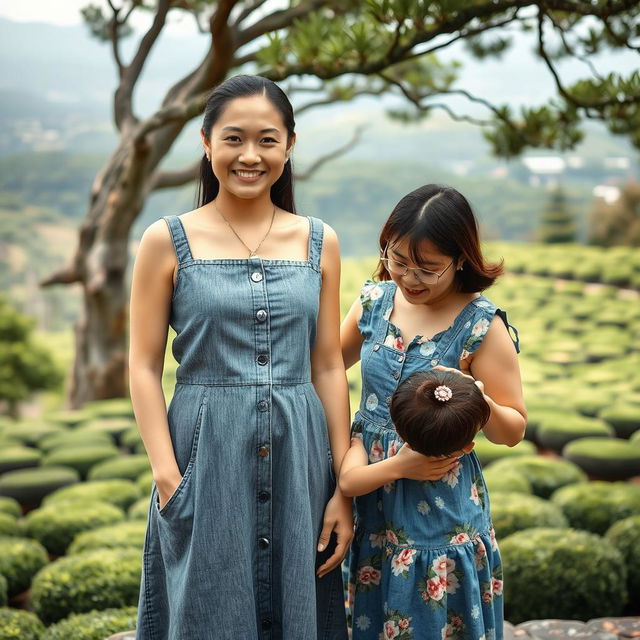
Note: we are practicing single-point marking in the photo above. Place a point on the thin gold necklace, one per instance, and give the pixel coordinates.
(254, 251)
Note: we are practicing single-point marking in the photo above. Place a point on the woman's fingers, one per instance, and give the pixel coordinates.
(342, 546)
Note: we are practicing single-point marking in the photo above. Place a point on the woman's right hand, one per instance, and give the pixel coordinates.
(166, 487)
(415, 466)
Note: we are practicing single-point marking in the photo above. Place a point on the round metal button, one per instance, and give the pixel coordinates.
(264, 496)
(400, 358)
(261, 315)
(266, 624)
(256, 276)
(434, 363)
(376, 347)
(388, 400)
(263, 405)
(396, 374)
(263, 543)
(262, 359)
(263, 451)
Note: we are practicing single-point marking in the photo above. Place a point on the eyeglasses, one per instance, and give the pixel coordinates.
(421, 275)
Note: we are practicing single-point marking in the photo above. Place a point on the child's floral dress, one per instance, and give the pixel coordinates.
(424, 563)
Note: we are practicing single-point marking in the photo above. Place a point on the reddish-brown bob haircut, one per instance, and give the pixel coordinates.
(430, 426)
(443, 216)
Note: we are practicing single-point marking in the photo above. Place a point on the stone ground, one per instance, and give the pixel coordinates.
(598, 629)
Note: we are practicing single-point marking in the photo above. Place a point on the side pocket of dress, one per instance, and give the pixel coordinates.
(192, 458)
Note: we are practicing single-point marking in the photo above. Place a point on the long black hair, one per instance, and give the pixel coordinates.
(242, 87)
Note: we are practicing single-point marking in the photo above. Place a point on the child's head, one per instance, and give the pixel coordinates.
(434, 229)
(438, 412)
(248, 125)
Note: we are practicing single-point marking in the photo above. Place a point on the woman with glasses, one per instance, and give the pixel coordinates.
(424, 562)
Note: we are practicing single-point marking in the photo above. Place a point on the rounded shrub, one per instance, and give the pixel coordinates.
(113, 408)
(10, 506)
(20, 560)
(124, 534)
(625, 536)
(19, 625)
(126, 467)
(145, 482)
(114, 427)
(18, 457)
(511, 512)
(56, 525)
(8, 525)
(561, 573)
(120, 493)
(537, 415)
(635, 438)
(545, 475)
(624, 418)
(30, 486)
(555, 434)
(30, 433)
(507, 480)
(139, 510)
(73, 439)
(131, 438)
(587, 403)
(595, 506)
(96, 625)
(80, 458)
(97, 580)
(4, 594)
(69, 418)
(488, 451)
(608, 459)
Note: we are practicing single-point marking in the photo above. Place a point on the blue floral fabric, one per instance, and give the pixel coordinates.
(424, 562)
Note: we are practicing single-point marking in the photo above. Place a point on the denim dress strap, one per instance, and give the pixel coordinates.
(316, 235)
(510, 328)
(179, 238)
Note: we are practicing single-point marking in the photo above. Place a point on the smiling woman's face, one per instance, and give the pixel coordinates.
(248, 146)
(411, 287)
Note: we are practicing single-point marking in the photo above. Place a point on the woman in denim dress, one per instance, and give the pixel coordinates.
(424, 563)
(244, 492)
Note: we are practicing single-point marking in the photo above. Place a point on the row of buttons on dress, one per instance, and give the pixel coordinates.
(263, 450)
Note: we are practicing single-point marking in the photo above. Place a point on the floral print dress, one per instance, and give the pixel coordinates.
(424, 563)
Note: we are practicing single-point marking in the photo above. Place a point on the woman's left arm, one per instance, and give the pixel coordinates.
(330, 382)
(495, 363)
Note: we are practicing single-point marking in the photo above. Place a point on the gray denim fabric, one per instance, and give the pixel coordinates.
(232, 554)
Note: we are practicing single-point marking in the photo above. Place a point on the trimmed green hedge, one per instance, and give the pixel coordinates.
(56, 525)
(69, 418)
(10, 506)
(139, 510)
(80, 458)
(4, 592)
(19, 625)
(595, 506)
(127, 467)
(545, 475)
(124, 534)
(96, 625)
(488, 451)
(561, 573)
(30, 486)
(624, 418)
(145, 482)
(625, 535)
(555, 434)
(114, 427)
(20, 560)
(511, 512)
(73, 439)
(8, 525)
(98, 580)
(30, 433)
(608, 459)
(114, 408)
(507, 480)
(18, 457)
(121, 493)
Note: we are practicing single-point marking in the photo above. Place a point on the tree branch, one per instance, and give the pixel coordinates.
(322, 160)
(329, 100)
(114, 23)
(570, 51)
(169, 179)
(247, 11)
